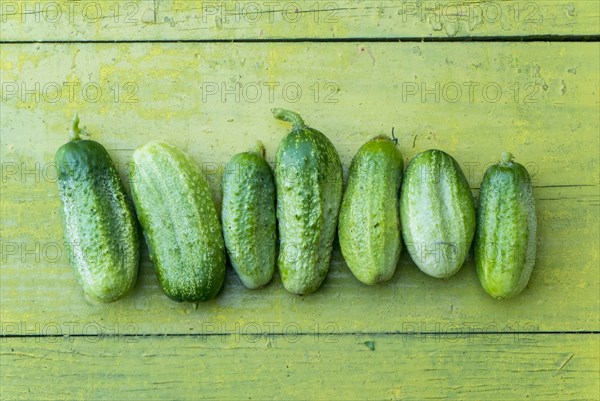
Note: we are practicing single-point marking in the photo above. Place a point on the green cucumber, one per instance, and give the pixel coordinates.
(99, 223)
(369, 225)
(308, 178)
(505, 243)
(180, 222)
(248, 216)
(437, 213)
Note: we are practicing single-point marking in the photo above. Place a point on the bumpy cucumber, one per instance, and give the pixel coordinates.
(505, 243)
(99, 223)
(437, 213)
(308, 177)
(180, 222)
(369, 225)
(248, 215)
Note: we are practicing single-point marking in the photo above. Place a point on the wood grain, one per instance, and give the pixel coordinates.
(413, 337)
(89, 20)
(555, 137)
(353, 367)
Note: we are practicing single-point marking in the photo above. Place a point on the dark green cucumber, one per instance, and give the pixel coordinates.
(437, 213)
(180, 222)
(248, 216)
(505, 243)
(99, 223)
(369, 225)
(308, 177)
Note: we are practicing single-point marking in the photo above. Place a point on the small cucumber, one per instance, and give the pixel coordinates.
(437, 213)
(505, 243)
(179, 221)
(308, 177)
(98, 219)
(369, 226)
(248, 215)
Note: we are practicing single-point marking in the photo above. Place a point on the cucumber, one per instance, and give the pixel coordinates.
(308, 179)
(248, 215)
(505, 243)
(100, 228)
(179, 221)
(437, 213)
(369, 225)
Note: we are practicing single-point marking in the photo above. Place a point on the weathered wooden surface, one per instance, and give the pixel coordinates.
(310, 367)
(39, 290)
(66, 20)
(431, 338)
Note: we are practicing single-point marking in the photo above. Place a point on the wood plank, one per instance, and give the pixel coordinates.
(354, 367)
(66, 20)
(556, 137)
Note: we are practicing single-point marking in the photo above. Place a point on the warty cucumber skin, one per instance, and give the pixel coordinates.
(308, 179)
(369, 224)
(179, 221)
(248, 216)
(100, 228)
(437, 213)
(505, 243)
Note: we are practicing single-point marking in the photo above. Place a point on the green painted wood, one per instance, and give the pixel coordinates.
(186, 93)
(414, 337)
(353, 367)
(263, 19)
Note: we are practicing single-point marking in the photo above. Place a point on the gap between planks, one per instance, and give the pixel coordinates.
(419, 39)
(312, 334)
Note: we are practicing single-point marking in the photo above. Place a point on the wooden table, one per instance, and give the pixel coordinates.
(471, 78)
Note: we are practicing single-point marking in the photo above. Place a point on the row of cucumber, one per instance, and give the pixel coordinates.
(432, 209)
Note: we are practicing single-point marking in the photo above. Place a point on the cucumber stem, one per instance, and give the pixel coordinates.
(289, 116)
(506, 158)
(260, 148)
(394, 139)
(75, 130)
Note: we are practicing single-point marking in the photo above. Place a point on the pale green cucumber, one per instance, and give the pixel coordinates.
(505, 243)
(179, 221)
(437, 213)
(308, 177)
(369, 225)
